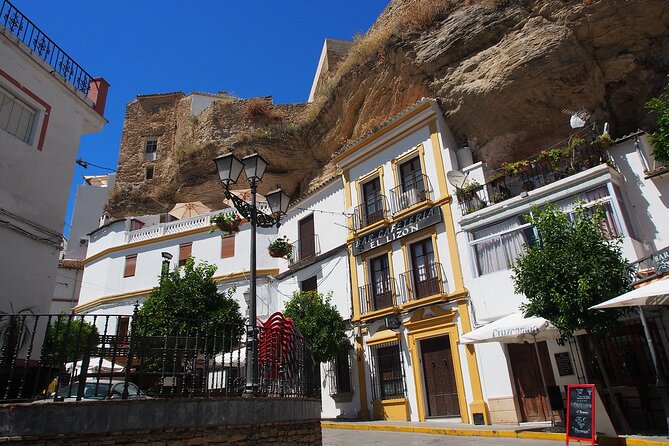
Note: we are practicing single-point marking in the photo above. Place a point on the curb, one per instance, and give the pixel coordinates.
(619, 441)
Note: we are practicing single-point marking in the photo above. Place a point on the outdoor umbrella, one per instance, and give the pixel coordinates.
(515, 329)
(187, 210)
(655, 293)
(95, 366)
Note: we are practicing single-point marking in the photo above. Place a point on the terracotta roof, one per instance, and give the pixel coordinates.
(71, 263)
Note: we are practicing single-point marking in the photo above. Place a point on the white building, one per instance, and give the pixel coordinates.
(47, 101)
(492, 233)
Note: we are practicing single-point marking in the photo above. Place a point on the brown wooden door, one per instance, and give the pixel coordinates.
(439, 376)
(373, 202)
(527, 379)
(382, 295)
(307, 238)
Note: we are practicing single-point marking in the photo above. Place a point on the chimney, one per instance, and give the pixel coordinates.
(97, 92)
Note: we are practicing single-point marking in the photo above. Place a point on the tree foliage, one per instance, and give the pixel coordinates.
(319, 322)
(187, 301)
(571, 267)
(659, 105)
(67, 338)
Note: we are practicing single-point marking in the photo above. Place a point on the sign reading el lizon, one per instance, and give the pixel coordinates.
(406, 226)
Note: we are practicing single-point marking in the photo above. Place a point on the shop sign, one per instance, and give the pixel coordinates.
(406, 226)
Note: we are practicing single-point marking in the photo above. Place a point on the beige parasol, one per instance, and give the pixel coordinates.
(187, 210)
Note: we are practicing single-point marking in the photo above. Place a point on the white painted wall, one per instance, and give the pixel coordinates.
(34, 184)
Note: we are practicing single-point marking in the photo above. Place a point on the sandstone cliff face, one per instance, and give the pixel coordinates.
(503, 72)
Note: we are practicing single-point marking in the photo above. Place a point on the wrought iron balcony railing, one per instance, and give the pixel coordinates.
(404, 196)
(305, 248)
(424, 281)
(370, 212)
(651, 266)
(528, 175)
(379, 295)
(35, 39)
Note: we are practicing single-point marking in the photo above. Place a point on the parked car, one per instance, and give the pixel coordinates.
(95, 389)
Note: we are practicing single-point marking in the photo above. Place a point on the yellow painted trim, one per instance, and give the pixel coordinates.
(123, 296)
(382, 336)
(150, 241)
(380, 133)
(438, 159)
(396, 409)
(379, 313)
(431, 328)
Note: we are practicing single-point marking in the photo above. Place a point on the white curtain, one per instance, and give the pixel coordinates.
(498, 252)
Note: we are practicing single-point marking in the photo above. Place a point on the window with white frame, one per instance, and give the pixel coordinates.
(16, 117)
(150, 149)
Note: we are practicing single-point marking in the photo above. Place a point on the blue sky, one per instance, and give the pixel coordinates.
(245, 47)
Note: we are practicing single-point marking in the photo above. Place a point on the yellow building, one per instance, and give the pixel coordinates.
(410, 305)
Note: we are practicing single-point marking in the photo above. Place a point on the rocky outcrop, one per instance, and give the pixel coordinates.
(504, 72)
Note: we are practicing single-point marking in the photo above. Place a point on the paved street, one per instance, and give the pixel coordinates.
(347, 437)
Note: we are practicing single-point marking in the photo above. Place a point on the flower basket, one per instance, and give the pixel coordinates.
(468, 191)
(226, 222)
(228, 226)
(280, 248)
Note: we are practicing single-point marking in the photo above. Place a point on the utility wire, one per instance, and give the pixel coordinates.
(85, 165)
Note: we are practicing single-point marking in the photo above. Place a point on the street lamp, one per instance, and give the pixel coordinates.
(166, 264)
(229, 169)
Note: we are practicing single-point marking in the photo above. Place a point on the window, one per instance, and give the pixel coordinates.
(150, 148)
(307, 241)
(185, 250)
(379, 287)
(425, 273)
(496, 247)
(310, 284)
(411, 178)
(149, 173)
(372, 202)
(340, 376)
(130, 265)
(16, 117)
(387, 371)
(228, 246)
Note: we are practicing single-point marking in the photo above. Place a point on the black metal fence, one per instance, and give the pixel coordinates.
(46, 356)
(38, 42)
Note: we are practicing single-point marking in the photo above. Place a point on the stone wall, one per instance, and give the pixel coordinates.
(232, 421)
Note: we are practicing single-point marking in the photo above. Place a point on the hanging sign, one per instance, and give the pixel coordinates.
(581, 412)
(401, 228)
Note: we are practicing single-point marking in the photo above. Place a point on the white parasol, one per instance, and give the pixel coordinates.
(512, 329)
(187, 210)
(655, 293)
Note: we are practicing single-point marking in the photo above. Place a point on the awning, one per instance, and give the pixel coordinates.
(655, 293)
(512, 329)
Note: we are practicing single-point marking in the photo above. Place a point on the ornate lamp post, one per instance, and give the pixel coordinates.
(165, 268)
(229, 169)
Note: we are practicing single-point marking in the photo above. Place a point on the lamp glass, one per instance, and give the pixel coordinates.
(278, 201)
(254, 167)
(229, 168)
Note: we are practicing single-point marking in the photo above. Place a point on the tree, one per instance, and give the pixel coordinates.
(573, 265)
(187, 301)
(66, 340)
(319, 322)
(660, 138)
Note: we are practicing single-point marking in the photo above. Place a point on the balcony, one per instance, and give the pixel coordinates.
(305, 248)
(370, 212)
(46, 49)
(650, 267)
(523, 176)
(422, 282)
(403, 197)
(379, 295)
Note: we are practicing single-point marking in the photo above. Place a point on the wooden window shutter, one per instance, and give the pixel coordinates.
(185, 250)
(227, 246)
(130, 265)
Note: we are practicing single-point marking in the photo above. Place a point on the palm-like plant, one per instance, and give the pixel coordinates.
(14, 332)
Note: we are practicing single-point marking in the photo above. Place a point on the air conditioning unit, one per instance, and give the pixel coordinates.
(407, 198)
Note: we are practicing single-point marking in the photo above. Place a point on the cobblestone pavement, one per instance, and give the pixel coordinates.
(347, 437)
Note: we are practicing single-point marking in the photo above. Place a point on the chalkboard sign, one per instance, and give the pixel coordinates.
(563, 363)
(581, 412)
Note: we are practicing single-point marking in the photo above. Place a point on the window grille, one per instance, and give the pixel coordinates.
(387, 371)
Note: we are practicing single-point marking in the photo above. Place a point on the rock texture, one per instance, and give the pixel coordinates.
(503, 72)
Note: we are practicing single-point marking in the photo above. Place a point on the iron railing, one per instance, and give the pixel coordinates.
(503, 185)
(379, 295)
(403, 196)
(426, 280)
(650, 267)
(305, 248)
(386, 366)
(47, 356)
(370, 212)
(38, 42)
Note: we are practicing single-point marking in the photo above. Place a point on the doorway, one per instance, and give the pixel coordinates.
(439, 376)
(532, 397)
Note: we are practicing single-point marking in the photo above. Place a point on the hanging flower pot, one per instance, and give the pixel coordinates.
(280, 248)
(226, 222)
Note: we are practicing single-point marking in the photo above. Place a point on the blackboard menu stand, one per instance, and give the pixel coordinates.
(580, 413)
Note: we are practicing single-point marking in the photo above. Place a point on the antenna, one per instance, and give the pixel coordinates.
(456, 178)
(578, 117)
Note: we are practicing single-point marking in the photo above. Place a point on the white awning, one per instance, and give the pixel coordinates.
(655, 293)
(512, 329)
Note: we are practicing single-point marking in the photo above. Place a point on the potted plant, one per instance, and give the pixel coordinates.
(228, 222)
(517, 166)
(280, 248)
(468, 190)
